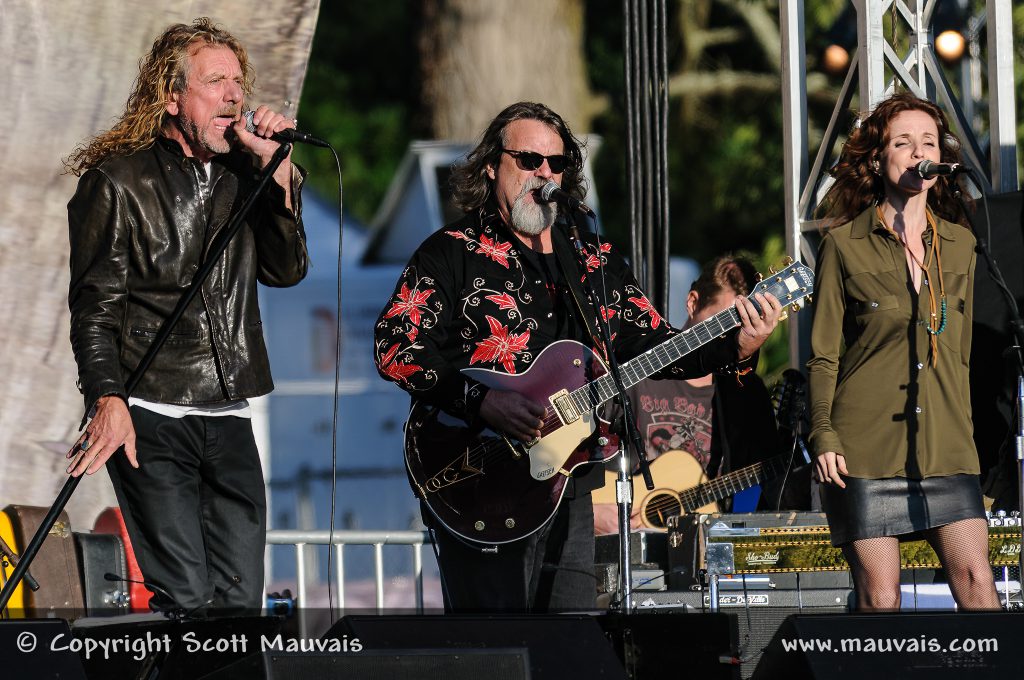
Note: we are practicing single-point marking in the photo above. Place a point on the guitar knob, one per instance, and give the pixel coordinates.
(510, 523)
(602, 441)
(478, 525)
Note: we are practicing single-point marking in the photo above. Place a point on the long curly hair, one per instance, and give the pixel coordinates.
(471, 187)
(858, 186)
(162, 71)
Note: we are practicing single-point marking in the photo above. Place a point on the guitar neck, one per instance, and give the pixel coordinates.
(733, 482)
(591, 395)
(788, 286)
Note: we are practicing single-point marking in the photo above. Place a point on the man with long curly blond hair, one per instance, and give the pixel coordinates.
(154, 191)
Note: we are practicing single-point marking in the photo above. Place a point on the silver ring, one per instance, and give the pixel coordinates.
(84, 446)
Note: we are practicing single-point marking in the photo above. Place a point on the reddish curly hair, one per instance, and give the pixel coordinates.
(858, 186)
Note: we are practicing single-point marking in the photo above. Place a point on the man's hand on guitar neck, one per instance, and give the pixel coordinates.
(755, 328)
(513, 414)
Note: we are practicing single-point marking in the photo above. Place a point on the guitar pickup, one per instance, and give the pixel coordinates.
(564, 407)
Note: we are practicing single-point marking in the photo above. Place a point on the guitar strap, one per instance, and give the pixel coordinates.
(564, 252)
(720, 458)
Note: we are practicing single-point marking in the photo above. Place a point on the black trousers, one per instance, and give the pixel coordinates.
(549, 571)
(196, 509)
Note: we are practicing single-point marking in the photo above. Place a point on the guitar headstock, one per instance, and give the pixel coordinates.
(789, 286)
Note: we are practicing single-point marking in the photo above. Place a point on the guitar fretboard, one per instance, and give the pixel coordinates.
(790, 285)
(732, 483)
(602, 389)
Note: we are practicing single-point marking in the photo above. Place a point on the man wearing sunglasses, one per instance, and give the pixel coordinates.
(493, 290)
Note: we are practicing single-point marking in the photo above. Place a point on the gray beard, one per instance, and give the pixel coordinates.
(531, 218)
(194, 134)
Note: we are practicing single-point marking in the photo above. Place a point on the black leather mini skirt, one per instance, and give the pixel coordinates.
(900, 507)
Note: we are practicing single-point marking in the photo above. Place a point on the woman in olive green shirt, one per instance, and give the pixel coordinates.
(891, 415)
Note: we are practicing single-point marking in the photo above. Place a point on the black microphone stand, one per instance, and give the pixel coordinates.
(1016, 328)
(631, 435)
(217, 248)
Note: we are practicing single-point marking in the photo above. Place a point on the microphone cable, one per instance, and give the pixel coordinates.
(335, 402)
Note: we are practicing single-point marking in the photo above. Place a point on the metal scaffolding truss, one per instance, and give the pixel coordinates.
(876, 71)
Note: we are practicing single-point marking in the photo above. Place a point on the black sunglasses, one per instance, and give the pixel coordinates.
(531, 160)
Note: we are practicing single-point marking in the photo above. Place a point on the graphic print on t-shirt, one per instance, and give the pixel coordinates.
(679, 421)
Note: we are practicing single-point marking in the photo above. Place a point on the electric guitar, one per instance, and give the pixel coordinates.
(684, 488)
(488, 488)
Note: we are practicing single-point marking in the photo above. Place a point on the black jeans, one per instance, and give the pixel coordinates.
(549, 571)
(196, 509)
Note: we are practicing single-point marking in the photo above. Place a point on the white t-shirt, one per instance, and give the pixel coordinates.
(239, 409)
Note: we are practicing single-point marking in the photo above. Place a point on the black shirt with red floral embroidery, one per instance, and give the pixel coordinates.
(474, 296)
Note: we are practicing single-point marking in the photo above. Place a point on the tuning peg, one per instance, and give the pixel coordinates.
(795, 307)
(809, 298)
(758, 277)
(786, 261)
(772, 270)
(785, 314)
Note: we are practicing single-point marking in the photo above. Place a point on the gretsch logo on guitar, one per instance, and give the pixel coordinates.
(467, 478)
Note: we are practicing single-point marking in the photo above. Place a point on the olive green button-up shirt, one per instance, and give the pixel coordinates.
(880, 402)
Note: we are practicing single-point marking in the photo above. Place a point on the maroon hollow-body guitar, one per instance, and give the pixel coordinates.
(491, 489)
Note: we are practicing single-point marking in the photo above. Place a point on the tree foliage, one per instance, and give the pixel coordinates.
(364, 93)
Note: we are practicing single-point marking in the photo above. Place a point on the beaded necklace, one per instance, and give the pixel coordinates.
(937, 317)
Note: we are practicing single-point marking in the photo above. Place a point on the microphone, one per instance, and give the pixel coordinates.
(927, 169)
(290, 135)
(111, 576)
(552, 193)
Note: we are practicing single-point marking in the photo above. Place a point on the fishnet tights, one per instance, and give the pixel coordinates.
(962, 548)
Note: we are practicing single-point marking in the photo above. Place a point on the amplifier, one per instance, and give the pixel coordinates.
(646, 546)
(758, 543)
(646, 576)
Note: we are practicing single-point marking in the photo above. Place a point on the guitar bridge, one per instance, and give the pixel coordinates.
(564, 407)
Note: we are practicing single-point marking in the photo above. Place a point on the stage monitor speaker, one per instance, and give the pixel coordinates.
(379, 664)
(759, 613)
(666, 645)
(909, 646)
(38, 648)
(561, 646)
(170, 649)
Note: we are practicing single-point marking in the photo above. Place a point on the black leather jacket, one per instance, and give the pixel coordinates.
(140, 226)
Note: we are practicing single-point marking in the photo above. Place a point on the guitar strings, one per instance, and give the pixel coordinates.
(486, 452)
(696, 497)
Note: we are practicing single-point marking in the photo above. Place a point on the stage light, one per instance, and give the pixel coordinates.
(949, 45)
(835, 60)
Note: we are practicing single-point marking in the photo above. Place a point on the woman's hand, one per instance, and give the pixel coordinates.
(828, 467)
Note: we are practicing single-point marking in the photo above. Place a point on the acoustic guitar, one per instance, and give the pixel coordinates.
(683, 486)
